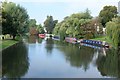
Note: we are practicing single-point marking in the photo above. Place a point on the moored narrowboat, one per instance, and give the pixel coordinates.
(96, 43)
(56, 37)
(42, 35)
(71, 40)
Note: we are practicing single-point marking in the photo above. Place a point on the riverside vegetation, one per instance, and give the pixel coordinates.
(16, 22)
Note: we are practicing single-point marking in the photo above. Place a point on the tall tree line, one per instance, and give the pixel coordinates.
(79, 25)
(15, 20)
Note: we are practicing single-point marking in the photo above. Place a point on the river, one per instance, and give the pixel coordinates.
(47, 58)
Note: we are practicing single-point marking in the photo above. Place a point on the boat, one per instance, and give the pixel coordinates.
(96, 43)
(71, 40)
(56, 37)
(79, 41)
(42, 35)
(92, 46)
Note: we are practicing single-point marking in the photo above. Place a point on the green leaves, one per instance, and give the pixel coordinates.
(32, 22)
(49, 24)
(40, 29)
(75, 25)
(107, 13)
(113, 31)
(14, 18)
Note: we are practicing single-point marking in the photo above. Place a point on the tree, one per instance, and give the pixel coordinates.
(0, 19)
(107, 13)
(76, 25)
(33, 31)
(40, 29)
(49, 24)
(14, 19)
(32, 22)
(96, 27)
(113, 31)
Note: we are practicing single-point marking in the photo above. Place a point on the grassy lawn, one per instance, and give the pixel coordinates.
(7, 43)
(103, 38)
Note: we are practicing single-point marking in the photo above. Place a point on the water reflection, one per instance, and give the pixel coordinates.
(107, 60)
(34, 39)
(15, 61)
(49, 45)
(109, 65)
(78, 57)
(0, 64)
(67, 60)
(119, 64)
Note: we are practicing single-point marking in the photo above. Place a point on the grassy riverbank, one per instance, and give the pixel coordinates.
(7, 43)
(103, 38)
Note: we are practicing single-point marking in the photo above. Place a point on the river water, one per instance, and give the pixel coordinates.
(47, 58)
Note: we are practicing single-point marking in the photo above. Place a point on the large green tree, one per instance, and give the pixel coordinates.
(0, 19)
(76, 25)
(14, 19)
(49, 24)
(113, 31)
(107, 13)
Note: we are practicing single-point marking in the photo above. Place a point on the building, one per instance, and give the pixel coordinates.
(119, 7)
(104, 31)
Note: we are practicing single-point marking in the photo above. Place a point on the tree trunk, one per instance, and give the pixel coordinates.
(14, 37)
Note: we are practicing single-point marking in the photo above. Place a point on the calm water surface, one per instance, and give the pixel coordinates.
(47, 58)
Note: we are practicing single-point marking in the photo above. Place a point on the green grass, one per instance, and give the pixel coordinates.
(7, 43)
(103, 38)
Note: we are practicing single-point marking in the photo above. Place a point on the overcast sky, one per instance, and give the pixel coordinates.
(39, 9)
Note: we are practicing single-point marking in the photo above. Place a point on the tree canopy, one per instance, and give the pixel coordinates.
(14, 19)
(49, 24)
(0, 19)
(40, 29)
(32, 22)
(107, 13)
(79, 25)
(113, 31)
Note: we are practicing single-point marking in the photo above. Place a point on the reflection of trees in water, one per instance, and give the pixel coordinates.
(40, 40)
(0, 63)
(77, 57)
(34, 39)
(119, 63)
(15, 61)
(49, 45)
(109, 65)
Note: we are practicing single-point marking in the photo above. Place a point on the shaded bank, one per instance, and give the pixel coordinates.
(15, 61)
(8, 43)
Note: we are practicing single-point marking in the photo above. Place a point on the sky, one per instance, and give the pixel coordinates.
(39, 9)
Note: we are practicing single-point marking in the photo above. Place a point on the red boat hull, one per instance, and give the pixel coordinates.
(42, 35)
